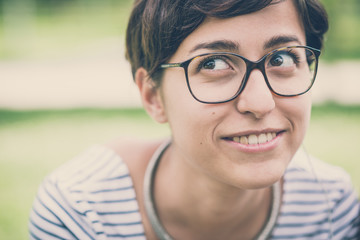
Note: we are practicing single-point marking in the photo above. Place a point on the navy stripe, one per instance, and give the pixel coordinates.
(33, 236)
(46, 232)
(107, 224)
(300, 214)
(47, 220)
(108, 201)
(115, 178)
(343, 213)
(289, 170)
(307, 235)
(345, 225)
(76, 191)
(305, 191)
(67, 213)
(53, 214)
(112, 189)
(125, 235)
(357, 221)
(112, 213)
(303, 203)
(121, 224)
(104, 190)
(310, 180)
(286, 225)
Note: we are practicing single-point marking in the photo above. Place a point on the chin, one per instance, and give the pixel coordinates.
(263, 182)
(262, 177)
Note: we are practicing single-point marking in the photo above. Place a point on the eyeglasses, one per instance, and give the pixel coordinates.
(221, 76)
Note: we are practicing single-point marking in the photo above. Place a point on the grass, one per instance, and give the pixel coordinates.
(334, 136)
(33, 143)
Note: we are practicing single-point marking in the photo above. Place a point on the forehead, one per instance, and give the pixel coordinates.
(245, 32)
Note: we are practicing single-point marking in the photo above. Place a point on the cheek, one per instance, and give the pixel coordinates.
(192, 123)
(186, 115)
(193, 133)
(182, 110)
(298, 111)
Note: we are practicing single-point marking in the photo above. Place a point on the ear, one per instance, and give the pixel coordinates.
(150, 96)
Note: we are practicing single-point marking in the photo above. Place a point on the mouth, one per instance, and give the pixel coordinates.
(255, 139)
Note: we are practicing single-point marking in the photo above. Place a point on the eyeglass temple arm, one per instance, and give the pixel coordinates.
(170, 65)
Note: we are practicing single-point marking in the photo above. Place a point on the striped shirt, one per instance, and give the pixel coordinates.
(92, 197)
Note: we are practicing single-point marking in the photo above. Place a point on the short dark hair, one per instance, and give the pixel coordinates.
(156, 28)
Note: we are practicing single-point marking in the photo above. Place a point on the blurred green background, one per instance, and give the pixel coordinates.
(34, 141)
(50, 24)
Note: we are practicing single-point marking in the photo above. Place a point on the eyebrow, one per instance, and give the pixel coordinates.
(217, 45)
(228, 45)
(279, 40)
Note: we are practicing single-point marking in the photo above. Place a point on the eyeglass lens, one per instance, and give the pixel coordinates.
(218, 77)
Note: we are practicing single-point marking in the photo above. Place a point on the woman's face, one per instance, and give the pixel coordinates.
(205, 136)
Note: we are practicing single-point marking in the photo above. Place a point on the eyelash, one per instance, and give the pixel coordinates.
(295, 57)
(290, 52)
(221, 57)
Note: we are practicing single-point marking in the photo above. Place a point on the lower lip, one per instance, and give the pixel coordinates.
(258, 148)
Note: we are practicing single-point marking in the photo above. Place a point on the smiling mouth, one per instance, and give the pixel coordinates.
(253, 139)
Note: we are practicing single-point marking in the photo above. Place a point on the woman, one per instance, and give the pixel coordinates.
(232, 79)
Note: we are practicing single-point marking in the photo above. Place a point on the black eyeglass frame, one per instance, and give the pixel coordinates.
(250, 66)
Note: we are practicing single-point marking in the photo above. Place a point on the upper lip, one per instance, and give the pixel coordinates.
(255, 132)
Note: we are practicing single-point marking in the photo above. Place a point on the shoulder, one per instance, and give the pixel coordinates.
(318, 200)
(93, 194)
(308, 170)
(135, 153)
(122, 159)
(97, 163)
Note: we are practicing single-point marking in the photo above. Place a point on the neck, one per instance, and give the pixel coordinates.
(196, 206)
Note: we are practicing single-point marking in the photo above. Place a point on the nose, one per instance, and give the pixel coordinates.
(256, 98)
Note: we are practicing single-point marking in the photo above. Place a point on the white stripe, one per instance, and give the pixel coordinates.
(121, 218)
(125, 230)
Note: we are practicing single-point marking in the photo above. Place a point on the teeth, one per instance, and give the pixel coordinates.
(262, 138)
(270, 136)
(244, 140)
(253, 139)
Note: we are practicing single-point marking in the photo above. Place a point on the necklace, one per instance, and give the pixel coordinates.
(150, 206)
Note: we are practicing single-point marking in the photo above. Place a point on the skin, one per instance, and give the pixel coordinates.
(203, 173)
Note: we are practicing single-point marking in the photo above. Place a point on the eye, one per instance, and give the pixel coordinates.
(283, 59)
(214, 64)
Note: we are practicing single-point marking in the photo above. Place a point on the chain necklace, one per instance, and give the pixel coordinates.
(150, 206)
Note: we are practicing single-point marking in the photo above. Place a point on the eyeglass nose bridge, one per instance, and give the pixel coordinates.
(250, 66)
